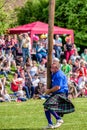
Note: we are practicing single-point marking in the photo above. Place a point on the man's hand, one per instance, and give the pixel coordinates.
(51, 90)
(48, 91)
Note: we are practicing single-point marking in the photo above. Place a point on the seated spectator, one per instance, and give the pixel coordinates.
(19, 61)
(72, 90)
(76, 65)
(1, 96)
(40, 52)
(66, 68)
(35, 80)
(29, 61)
(4, 96)
(10, 59)
(43, 77)
(39, 91)
(31, 83)
(16, 83)
(18, 51)
(34, 68)
(25, 88)
(28, 83)
(17, 86)
(81, 82)
(42, 67)
(85, 89)
(20, 95)
(2, 44)
(74, 56)
(82, 89)
(2, 56)
(74, 78)
(4, 68)
(84, 55)
(82, 71)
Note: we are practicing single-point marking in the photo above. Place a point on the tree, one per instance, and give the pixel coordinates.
(3, 15)
(32, 11)
(70, 14)
(73, 14)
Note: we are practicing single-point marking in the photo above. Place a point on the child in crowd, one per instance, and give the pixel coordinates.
(4, 96)
(39, 91)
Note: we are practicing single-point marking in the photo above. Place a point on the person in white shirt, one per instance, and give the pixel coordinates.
(26, 46)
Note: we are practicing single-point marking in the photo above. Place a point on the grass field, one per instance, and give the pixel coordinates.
(29, 115)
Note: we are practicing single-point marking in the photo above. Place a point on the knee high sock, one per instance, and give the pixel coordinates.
(55, 114)
(48, 116)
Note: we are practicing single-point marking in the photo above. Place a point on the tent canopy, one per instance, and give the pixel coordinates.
(39, 28)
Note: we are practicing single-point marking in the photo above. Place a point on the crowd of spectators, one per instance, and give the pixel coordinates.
(29, 78)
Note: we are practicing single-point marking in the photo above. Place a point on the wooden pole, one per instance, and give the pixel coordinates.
(50, 39)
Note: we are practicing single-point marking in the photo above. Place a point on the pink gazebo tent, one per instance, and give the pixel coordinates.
(40, 28)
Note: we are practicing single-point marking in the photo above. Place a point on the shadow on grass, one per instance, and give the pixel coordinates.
(23, 129)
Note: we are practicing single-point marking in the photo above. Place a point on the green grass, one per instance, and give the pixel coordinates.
(29, 115)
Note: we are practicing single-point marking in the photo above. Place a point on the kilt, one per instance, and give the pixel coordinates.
(59, 103)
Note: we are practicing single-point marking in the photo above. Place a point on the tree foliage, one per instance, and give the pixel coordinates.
(8, 13)
(70, 14)
(73, 14)
(32, 11)
(3, 16)
(77, 17)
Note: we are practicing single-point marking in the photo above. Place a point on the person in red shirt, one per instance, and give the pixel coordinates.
(82, 71)
(16, 83)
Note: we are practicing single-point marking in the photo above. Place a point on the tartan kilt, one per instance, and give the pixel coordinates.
(59, 103)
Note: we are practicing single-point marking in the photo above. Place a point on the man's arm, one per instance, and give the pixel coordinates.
(48, 91)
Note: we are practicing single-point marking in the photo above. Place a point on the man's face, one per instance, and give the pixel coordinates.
(53, 68)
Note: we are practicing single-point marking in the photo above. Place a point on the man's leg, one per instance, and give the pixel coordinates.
(55, 114)
(48, 117)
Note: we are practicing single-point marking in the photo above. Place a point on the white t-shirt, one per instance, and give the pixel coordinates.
(35, 82)
(33, 71)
